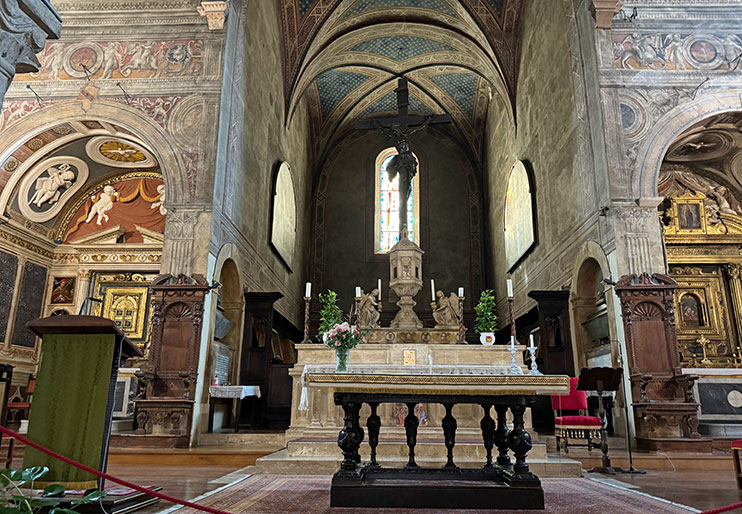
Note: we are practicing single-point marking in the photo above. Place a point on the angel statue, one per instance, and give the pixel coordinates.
(47, 188)
(103, 205)
(369, 310)
(446, 311)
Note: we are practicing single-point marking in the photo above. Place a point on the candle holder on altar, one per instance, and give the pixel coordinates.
(534, 366)
(307, 301)
(514, 368)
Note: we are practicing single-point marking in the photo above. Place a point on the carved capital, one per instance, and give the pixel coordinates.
(733, 270)
(604, 10)
(215, 13)
(635, 218)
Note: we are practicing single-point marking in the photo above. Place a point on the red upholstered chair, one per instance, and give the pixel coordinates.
(578, 426)
(736, 447)
(20, 403)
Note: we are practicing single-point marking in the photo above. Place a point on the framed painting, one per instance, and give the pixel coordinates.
(63, 291)
(520, 227)
(283, 218)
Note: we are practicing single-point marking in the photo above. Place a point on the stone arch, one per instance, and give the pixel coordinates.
(587, 283)
(230, 295)
(158, 141)
(668, 128)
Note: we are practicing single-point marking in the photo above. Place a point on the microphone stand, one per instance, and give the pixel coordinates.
(632, 470)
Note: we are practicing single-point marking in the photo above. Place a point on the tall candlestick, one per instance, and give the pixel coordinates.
(432, 289)
(308, 290)
(378, 287)
(461, 292)
(358, 292)
(307, 299)
(510, 288)
(462, 328)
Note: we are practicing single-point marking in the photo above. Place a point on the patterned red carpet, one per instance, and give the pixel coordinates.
(274, 494)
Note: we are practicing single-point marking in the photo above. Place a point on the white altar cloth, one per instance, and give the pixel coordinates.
(236, 391)
(372, 369)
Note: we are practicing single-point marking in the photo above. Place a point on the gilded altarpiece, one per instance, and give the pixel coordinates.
(703, 255)
(125, 298)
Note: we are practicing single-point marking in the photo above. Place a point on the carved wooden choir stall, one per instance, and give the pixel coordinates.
(266, 358)
(665, 411)
(165, 413)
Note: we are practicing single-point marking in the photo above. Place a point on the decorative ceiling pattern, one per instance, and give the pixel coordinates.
(711, 149)
(461, 87)
(344, 56)
(387, 104)
(401, 48)
(334, 85)
(304, 6)
(364, 6)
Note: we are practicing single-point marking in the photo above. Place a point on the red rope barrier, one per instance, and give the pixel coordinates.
(97, 473)
(726, 508)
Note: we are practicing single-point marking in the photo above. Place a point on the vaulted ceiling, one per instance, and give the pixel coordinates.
(344, 57)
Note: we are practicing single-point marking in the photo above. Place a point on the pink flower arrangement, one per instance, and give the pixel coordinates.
(343, 336)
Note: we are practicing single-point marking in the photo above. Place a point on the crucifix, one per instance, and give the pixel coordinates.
(398, 128)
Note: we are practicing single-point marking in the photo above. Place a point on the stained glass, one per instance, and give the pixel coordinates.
(389, 209)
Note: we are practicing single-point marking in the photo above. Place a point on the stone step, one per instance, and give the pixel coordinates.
(280, 463)
(270, 440)
(470, 450)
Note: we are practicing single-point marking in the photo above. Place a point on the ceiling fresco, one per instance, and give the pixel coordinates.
(344, 58)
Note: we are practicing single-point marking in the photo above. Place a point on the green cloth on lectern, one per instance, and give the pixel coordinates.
(68, 410)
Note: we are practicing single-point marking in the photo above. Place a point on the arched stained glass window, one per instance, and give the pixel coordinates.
(386, 233)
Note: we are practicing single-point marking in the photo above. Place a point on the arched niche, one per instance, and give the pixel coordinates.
(591, 310)
(225, 340)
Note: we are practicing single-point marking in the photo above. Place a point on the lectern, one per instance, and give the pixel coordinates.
(73, 400)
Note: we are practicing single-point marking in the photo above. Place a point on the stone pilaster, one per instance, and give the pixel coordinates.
(734, 272)
(186, 245)
(639, 242)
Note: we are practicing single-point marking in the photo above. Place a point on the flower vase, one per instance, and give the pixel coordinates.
(341, 360)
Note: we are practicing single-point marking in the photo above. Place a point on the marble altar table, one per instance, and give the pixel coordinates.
(499, 483)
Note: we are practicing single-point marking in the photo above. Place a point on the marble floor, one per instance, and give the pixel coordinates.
(700, 490)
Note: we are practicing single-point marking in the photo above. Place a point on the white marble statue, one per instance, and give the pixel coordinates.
(445, 310)
(369, 310)
(48, 188)
(103, 205)
(161, 202)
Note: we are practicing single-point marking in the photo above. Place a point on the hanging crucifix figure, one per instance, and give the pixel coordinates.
(398, 128)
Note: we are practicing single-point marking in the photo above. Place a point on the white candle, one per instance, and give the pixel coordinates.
(358, 292)
(308, 290)
(531, 339)
(512, 341)
(432, 289)
(378, 287)
(510, 288)
(461, 292)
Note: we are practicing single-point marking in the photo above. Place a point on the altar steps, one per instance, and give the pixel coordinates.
(322, 457)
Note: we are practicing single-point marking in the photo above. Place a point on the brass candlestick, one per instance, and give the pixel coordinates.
(307, 300)
(462, 328)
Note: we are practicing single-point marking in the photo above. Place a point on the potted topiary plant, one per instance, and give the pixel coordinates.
(486, 317)
(330, 313)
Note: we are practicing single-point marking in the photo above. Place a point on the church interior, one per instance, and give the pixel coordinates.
(325, 255)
